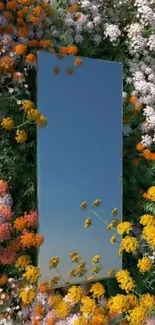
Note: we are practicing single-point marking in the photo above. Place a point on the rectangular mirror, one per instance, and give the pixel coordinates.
(79, 167)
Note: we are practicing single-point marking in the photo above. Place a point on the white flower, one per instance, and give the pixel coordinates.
(112, 31)
(146, 140)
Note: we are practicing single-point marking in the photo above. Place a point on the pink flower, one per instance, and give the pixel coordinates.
(3, 186)
(31, 219)
(150, 321)
(5, 232)
(5, 212)
(7, 256)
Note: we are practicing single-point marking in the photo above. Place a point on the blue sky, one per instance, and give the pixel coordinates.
(79, 159)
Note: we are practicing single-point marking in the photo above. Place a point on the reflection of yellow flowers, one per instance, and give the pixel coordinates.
(62, 309)
(147, 219)
(113, 239)
(97, 290)
(129, 244)
(21, 136)
(7, 123)
(83, 205)
(54, 280)
(82, 263)
(149, 235)
(32, 273)
(88, 306)
(125, 281)
(124, 227)
(81, 271)
(111, 272)
(88, 223)
(22, 262)
(110, 226)
(96, 259)
(54, 262)
(75, 257)
(27, 294)
(75, 294)
(114, 212)
(72, 273)
(145, 264)
(96, 270)
(96, 203)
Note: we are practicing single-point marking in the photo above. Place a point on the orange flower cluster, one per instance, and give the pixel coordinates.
(28, 220)
(31, 240)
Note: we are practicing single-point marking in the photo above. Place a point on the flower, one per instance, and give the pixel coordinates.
(7, 123)
(97, 290)
(72, 50)
(62, 309)
(148, 234)
(114, 212)
(88, 222)
(5, 231)
(21, 136)
(118, 303)
(77, 62)
(151, 193)
(129, 244)
(137, 316)
(147, 219)
(145, 264)
(125, 281)
(27, 294)
(113, 239)
(20, 49)
(3, 187)
(32, 273)
(7, 256)
(74, 295)
(22, 262)
(124, 227)
(3, 280)
(83, 205)
(96, 270)
(88, 306)
(5, 212)
(96, 203)
(54, 262)
(96, 259)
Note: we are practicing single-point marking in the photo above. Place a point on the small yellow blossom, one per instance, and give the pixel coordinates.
(88, 223)
(147, 301)
(81, 321)
(137, 316)
(96, 259)
(54, 300)
(27, 105)
(118, 304)
(74, 295)
(96, 203)
(32, 273)
(110, 226)
(113, 239)
(54, 262)
(83, 205)
(151, 193)
(62, 309)
(54, 280)
(129, 244)
(112, 272)
(114, 212)
(97, 290)
(145, 264)
(148, 234)
(72, 273)
(125, 281)
(147, 219)
(124, 227)
(41, 120)
(88, 306)
(21, 136)
(22, 262)
(27, 295)
(7, 123)
(32, 114)
(95, 270)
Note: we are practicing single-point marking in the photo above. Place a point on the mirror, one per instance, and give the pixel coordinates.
(79, 166)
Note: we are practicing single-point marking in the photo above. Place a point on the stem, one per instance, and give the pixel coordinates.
(60, 275)
(93, 212)
(26, 122)
(85, 277)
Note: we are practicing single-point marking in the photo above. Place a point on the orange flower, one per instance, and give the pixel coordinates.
(28, 240)
(21, 13)
(9, 16)
(73, 8)
(19, 223)
(42, 288)
(51, 12)
(140, 147)
(45, 5)
(147, 154)
(33, 43)
(133, 99)
(20, 49)
(146, 196)
(3, 187)
(34, 19)
(20, 21)
(7, 64)
(51, 321)
(56, 69)
(23, 32)
(9, 30)
(52, 50)
(45, 43)
(2, 6)
(137, 107)
(26, 9)
(72, 50)
(63, 50)
(15, 245)
(135, 162)
(37, 10)
(18, 76)
(11, 5)
(31, 58)
(77, 62)
(3, 280)
(39, 239)
(39, 309)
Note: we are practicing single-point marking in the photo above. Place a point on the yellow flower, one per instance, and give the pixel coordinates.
(111, 272)
(137, 316)
(96, 259)
(81, 321)
(27, 105)
(132, 300)
(72, 273)
(21, 136)
(113, 239)
(32, 273)
(54, 280)
(96, 203)
(83, 205)
(7, 123)
(114, 212)
(88, 223)
(125, 281)
(54, 300)
(96, 270)
(22, 262)
(147, 301)
(32, 114)
(54, 262)
(81, 271)
(124, 227)
(151, 193)
(88, 306)
(129, 244)
(41, 120)
(118, 304)
(147, 219)
(99, 320)
(145, 264)
(149, 235)
(110, 226)
(82, 263)
(75, 294)
(27, 295)
(97, 290)
(62, 309)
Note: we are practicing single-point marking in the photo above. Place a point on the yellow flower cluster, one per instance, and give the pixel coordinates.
(27, 295)
(96, 259)
(97, 290)
(125, 281)
(7, 123)
(96, 203)
(114, 212)
(21, 136)
(118, 304)
(54, 280)
(147, 301)
(151, 193)
(54, 262)
(75, 294)
(96, 270)
(137, 316)
(33, 114)
(129, 244)
(149, 235)
(147, 219)
(22, 262)
(62, 309)
(54, 300)
(88, 306)
(83, 205)
(113, 239)
(145, 264)
(87, 223)
(74, 256)
(81, 321)
(32, 273)
(124, 227)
